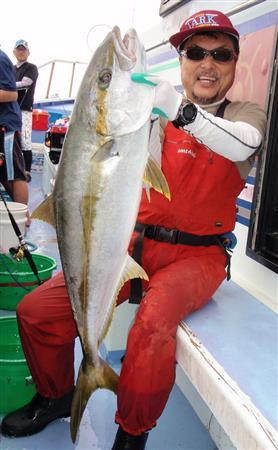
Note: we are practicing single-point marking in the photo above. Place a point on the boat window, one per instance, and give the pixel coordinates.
(262, 244)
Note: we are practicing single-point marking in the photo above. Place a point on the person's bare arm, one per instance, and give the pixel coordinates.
(7, 96)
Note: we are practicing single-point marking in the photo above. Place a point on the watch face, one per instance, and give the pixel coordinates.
(189, 111)
(187, 114)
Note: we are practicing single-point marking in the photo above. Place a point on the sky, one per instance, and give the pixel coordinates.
(66, 29)
(69, 30)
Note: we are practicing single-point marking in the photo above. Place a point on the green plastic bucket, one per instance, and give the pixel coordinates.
(16, 386)
(17, 278)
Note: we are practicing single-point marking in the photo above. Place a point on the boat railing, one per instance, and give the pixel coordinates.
(59, 78)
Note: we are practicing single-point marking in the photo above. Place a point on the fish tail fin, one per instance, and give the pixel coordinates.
(90, 378)
(80, 399)
(45, 211)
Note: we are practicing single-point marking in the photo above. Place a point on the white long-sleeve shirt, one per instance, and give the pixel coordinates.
(236, 138)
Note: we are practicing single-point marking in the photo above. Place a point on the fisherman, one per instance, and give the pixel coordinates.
(12, 169)
(209, 145)
(26, 78)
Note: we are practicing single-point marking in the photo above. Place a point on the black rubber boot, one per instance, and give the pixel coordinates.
(34, 416)
(125, 441)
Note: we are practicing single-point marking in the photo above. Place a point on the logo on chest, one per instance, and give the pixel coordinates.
(187, 151)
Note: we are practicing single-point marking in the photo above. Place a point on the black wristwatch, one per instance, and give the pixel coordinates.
(187, 114)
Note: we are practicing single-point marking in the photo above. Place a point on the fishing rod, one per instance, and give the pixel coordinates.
(23, 250)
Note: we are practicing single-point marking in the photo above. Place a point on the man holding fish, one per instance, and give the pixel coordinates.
(180, 234)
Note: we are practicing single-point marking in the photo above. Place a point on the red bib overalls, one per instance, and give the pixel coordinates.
(204, 187)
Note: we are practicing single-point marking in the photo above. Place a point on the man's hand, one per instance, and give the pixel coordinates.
(167, 100)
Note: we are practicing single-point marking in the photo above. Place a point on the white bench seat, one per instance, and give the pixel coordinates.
(228, 350)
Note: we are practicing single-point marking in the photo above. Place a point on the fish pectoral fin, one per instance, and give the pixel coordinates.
(132, 270)
(154, 177)
(90, 378)
(104, 152)
(45, 211)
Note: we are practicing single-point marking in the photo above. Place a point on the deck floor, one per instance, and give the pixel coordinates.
(179, 428)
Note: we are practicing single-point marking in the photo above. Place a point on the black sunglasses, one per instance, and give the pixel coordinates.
(199, 53)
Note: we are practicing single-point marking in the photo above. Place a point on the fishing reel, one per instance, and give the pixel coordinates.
(17, 253)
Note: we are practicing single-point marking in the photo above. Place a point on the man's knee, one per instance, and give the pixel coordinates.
(28, 307)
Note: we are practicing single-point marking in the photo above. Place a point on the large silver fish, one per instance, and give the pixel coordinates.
(96, 197)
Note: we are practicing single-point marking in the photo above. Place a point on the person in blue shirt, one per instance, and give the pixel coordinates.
(12, 168)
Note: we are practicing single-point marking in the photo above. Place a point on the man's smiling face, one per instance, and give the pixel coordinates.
(207, 81)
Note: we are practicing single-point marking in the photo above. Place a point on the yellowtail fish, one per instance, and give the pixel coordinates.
(96, 197)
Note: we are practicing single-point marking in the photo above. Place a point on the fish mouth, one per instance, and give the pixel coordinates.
(125, 48)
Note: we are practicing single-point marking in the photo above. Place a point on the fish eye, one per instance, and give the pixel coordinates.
(104, 78)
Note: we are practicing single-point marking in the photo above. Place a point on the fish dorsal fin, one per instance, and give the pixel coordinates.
(132, 270)
(154, 177)
(45, 211)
